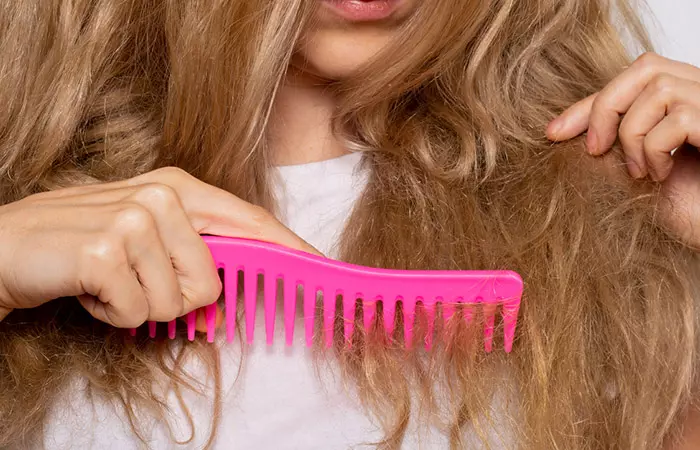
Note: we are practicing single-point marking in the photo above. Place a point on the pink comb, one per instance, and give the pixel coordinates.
(332, 278)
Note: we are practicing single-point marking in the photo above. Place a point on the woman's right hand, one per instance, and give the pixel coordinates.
(129, 250)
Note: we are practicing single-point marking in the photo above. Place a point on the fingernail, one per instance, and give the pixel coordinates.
(654, 176)
(592, 141)
(555, 128)
(634, 169)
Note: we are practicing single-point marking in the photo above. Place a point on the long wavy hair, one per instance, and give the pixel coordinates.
(451, 120)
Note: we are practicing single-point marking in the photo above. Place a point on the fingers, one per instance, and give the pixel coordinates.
(143, 257)
(236, 218)
(679, 127)
(113, 293)
(188, 255)
(128, 273)
(600, 114)
(647, 138)
(618, 96)
(647, 111)
(573, 121)
(211, 210)
(151, 262)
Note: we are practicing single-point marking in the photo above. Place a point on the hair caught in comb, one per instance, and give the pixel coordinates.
(317, 275)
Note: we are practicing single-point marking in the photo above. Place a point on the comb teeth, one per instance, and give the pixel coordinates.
(348, 317)
(230, 296)
(328, 317)
(290, 310)
(309, 308)
(409, 317)
(430, 331)
(316, 275)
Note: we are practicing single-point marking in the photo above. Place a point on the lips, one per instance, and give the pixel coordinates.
(363, 10)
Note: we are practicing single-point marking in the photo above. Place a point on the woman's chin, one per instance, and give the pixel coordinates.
(335, 55)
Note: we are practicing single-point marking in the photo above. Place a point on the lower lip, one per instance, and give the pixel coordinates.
(363, 11)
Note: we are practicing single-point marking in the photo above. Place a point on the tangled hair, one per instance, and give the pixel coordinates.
(451, 119)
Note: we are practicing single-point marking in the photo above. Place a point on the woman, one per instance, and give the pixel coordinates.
(447, 103)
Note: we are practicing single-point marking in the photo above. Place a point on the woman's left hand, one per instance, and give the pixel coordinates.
(654, 108)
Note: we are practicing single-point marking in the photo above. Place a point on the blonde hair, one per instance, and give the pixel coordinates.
(451, 119)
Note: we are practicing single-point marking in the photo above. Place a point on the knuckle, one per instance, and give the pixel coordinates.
(160, 195)
(663, 84)
(647, 62)
(132, 219)
(686, 118)
(171, 172)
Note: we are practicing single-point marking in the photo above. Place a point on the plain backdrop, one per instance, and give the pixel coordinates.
(675, 27)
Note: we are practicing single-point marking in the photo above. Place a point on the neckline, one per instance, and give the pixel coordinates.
(349, 160)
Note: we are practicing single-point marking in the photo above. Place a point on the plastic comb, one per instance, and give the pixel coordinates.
(315, 274)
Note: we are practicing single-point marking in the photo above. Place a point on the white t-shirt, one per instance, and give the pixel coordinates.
(277, 402)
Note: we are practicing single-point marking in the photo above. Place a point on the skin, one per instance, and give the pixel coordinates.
(130, 250)
(332, 49)
(138, 256)
(653, 108)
